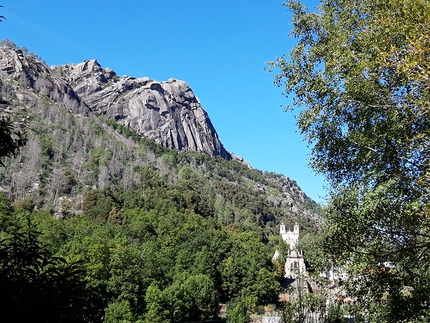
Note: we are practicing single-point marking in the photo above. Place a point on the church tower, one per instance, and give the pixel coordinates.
(294, 263)
(283, 228)
(291, 238)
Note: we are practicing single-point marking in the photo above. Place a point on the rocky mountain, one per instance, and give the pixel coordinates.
(90, 130)
(27, 79)
(167, 112)
(154, 211)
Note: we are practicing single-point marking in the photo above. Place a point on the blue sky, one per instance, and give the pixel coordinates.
(220, 48)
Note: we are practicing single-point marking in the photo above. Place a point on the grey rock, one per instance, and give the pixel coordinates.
(31, 79)
(167, 112)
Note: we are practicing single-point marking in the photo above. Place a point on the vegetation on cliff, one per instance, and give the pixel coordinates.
(133, 231)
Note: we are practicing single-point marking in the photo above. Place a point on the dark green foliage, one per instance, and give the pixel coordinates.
(7, 219)
(11, 139)
(188, 259)
(191, 298)
(68, 181)
(316, 258)
(98, 204)
(360, 78)
(237, 311)
(245, 273)
(35, 285)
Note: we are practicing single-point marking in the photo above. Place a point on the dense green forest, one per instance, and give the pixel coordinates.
(156, 263)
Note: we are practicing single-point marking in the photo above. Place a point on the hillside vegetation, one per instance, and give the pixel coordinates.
(105, 225)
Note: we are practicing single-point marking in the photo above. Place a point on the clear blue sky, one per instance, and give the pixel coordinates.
(219, 47)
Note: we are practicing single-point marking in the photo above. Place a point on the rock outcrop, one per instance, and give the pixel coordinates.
(167, 112)
(30, 80)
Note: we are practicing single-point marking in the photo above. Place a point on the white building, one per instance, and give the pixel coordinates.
(294, 263)
(334, 274)
(291, 238)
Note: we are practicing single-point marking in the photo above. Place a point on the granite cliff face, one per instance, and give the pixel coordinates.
(167, 112)
(29, 79)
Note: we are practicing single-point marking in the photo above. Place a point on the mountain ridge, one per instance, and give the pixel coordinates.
(78, 143)
(167, 111)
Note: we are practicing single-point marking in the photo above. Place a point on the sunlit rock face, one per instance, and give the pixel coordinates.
(31, 81)
(167, 112)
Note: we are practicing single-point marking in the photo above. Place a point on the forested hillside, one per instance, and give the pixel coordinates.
(106, 225)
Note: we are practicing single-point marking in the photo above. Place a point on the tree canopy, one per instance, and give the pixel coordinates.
(360, 76)
(11, 139)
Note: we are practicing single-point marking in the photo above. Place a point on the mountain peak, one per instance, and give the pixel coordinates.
(167, 112)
